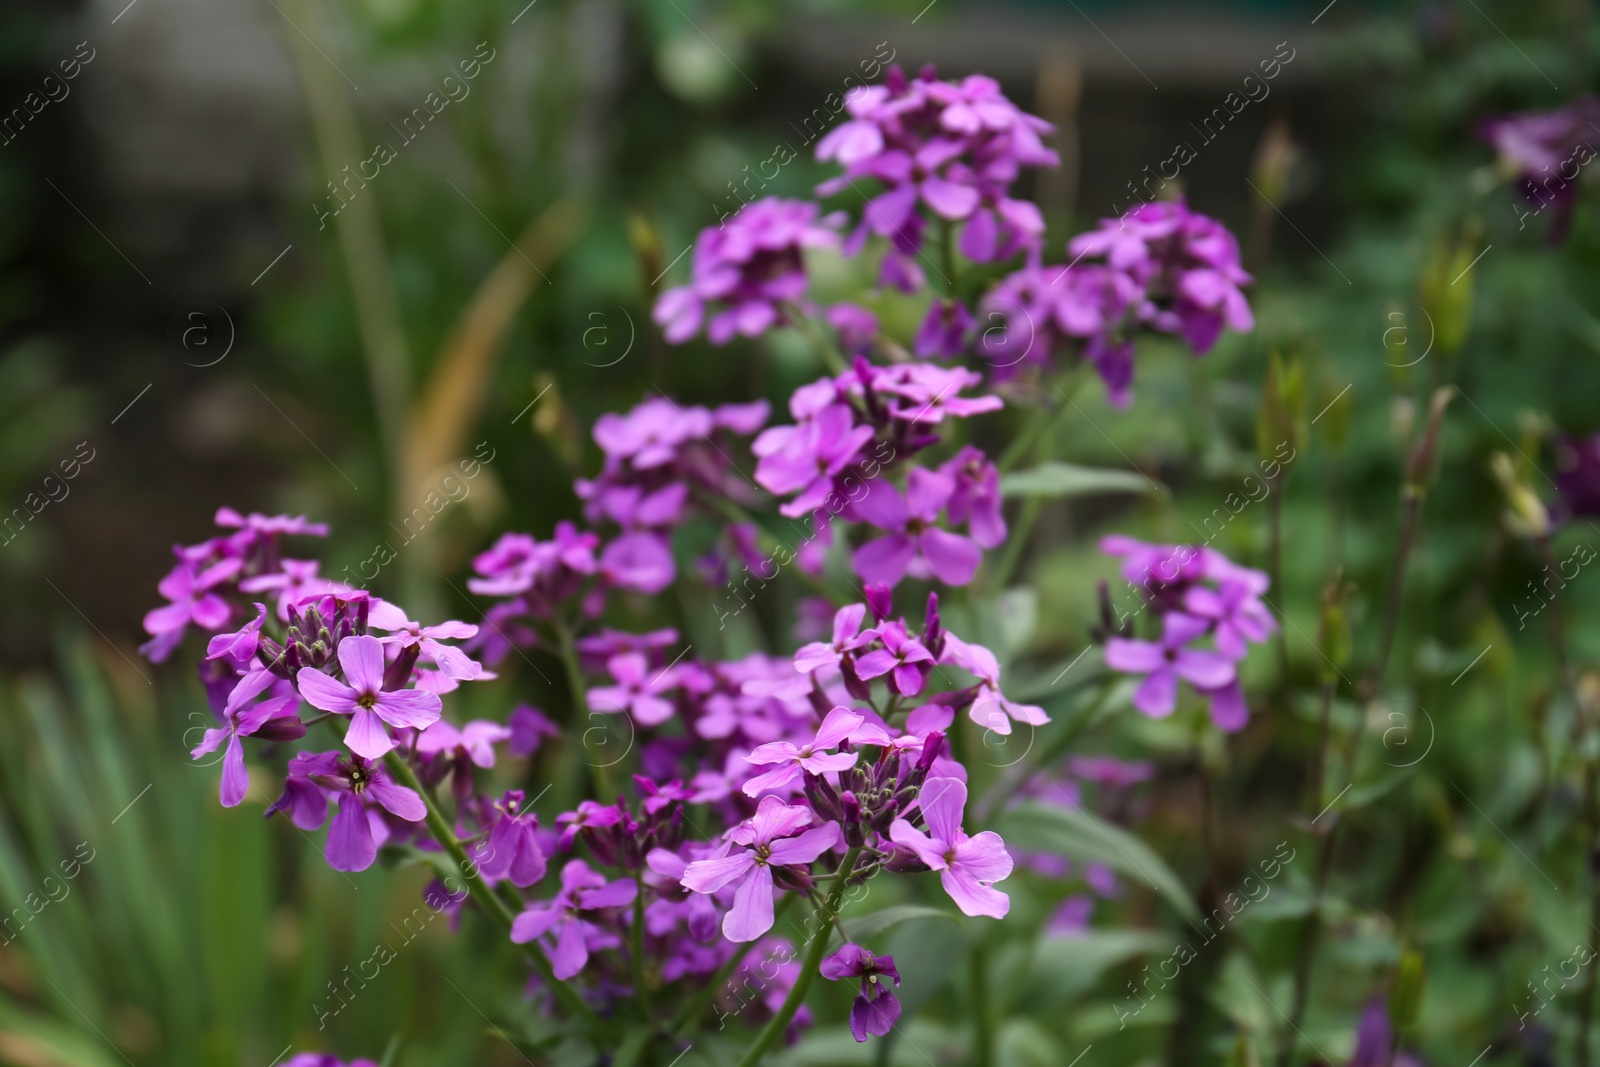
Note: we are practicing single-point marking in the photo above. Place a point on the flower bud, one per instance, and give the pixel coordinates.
(1405, 1002)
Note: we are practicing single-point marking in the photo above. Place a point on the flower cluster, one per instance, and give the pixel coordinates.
(1159, 266)
(950, 149)
(771, 777)
(852, 434)
(1198, 595)
(657, 457)
(748, 271)
(931, 149)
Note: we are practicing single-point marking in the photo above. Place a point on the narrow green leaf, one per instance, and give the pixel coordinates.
(1075, 833)
(1057, 479)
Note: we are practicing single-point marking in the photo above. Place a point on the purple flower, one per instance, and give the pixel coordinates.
(990, 707)
(769, 841)
(847, 637)
(806, 458)
(273, 719)
(954, 148)
(363, 697)
(452, 662)
(589, 815)
(582, 890)
(1165, 662)
(745, 269)
(1235, 611)
(322, 1059)
(529, 726)
(794, 761)
(944, 330)
(351, 845)
(189, 588)
(636, 691)
(639, 561)
(916, 545)
(901, 654)
(875, 1008)
(270, 524)
(967, 866)
(1186, 263)
(975, 496)
(512, 849)
(1537, 147)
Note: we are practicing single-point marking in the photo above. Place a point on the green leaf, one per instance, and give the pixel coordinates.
(877, 922)
(1067, 968)
(1056, 479)
(1075, 833)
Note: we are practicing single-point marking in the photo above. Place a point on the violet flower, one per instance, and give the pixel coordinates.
(512, 850)
(916, 545)
(847, 637)
(637, 691)
(795, 761)
(769, 841)
(745, 271)
(875, 1009)
(1165, 662)
(189, 590)
(351, 844)
(582, 890)
(273, 719)
(363, 697)
(902, 657)
(967, 866)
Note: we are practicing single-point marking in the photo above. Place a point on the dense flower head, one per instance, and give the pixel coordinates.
(747, 271)
(1198, 595)
(946, 150)
(1158, 266)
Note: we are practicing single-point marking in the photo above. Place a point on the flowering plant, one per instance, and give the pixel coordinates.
(808, 773)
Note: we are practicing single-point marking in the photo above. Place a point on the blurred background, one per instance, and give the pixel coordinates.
(208, 297)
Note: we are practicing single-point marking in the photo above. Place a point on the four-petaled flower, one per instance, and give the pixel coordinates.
(842, 724)
(363, 697)
(875, 1008)
(915, 545)
(769, 842)
(636, 692)
(967, 865)
(1168, 660)
(902, 654)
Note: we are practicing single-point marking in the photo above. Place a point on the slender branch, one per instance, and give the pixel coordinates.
(825, 912)
(480, 890)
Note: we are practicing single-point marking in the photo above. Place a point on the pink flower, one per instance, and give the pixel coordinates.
(769, 842)
(365, 699)
(915, 545)
(989, 707)
(793, 760)
(636, 692)
(452, 662)
(1165, 662)
(901, 654)
(967, 865)
(847, 637)
(189, 590)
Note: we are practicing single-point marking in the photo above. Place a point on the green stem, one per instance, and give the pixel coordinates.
(826, 910)
(485, 896)
(983, 1019)
(818, 337)
(580, 707)
(641, 988)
